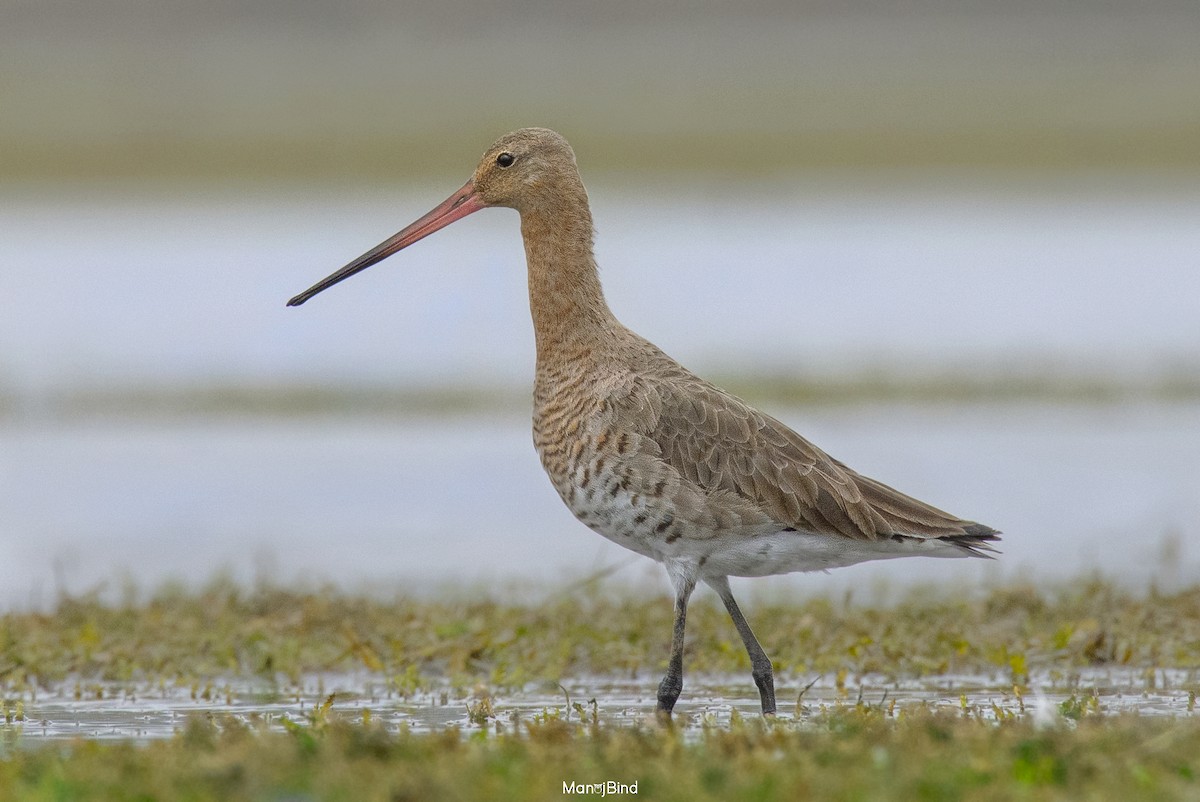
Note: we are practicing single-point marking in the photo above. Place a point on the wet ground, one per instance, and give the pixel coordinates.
(133, 710)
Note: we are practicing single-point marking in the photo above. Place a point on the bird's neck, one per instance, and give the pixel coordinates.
(571, 319)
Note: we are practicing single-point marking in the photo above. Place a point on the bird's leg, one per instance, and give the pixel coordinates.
(760, 664)
(672, 684)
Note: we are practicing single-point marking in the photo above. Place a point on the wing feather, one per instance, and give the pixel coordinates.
(721, 444)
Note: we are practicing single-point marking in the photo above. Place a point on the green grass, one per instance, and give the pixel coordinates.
(225, 629)
(846, 753)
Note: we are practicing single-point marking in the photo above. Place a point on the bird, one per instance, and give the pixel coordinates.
(650, 455)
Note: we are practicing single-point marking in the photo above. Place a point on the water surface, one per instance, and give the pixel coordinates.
(804, 275)
(809, 273)
(428, 503)
(144, 711)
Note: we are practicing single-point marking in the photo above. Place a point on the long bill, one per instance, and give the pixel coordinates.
(457, 206)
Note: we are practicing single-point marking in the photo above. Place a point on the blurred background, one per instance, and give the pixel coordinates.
(956, 244)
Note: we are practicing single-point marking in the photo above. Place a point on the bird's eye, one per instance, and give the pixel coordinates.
(505, 159)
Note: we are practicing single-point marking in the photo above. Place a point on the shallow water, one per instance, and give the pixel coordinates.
(426, 504)
(792, 276)
(429, 503)
(131, 710)
(798, 273)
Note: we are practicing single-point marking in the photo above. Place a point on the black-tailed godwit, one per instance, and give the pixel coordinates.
(653, 457)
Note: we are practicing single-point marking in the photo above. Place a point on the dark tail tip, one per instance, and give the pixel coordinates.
(976, 540)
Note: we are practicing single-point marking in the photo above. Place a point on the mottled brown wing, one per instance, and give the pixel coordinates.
(719, 442)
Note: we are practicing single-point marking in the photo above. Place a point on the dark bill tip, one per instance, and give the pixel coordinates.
(456, 207)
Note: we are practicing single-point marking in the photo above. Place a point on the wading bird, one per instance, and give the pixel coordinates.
(653, 457)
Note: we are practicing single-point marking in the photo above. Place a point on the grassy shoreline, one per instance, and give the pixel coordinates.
(847, 754)
(225, 629)
(847, 749)
(290, 400)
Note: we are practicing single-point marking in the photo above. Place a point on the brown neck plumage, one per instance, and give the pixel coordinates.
(570, 315)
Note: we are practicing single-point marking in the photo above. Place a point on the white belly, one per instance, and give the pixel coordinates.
(627, 519)
(788, 552)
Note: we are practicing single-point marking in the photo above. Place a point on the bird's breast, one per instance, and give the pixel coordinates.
(604, 475)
